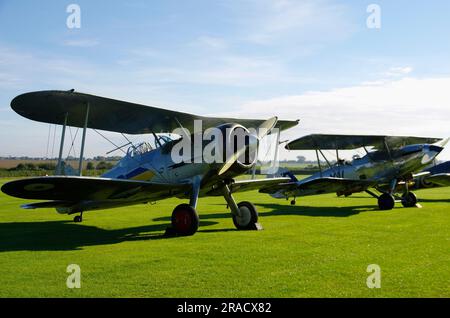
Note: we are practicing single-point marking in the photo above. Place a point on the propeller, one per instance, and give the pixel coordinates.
(261, 132)
(443, 142)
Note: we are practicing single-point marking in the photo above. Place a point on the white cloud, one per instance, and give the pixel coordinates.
(81, 43)
(408, 106)
(398, 71)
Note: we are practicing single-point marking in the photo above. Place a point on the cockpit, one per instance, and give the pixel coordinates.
(144, 147)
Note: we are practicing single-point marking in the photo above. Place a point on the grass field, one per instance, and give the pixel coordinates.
(319, 248)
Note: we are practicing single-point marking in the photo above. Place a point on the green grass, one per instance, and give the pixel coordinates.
(319, 248)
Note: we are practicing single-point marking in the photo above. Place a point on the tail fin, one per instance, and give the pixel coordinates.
(283, 172)
(289, 174)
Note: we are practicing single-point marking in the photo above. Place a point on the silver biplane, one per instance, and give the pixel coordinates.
(388, 167)
(146, 174)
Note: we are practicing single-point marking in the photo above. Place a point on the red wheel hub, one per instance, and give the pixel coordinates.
(183, 220)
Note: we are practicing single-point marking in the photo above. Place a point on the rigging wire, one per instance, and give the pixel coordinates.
(73, 141)
(110, 141)
(126, 138)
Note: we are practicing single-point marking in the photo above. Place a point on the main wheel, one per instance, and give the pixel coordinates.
(185, 220)
(293, 202)
(78, 219)
(386, 201)
(409, 200)
(248, 216)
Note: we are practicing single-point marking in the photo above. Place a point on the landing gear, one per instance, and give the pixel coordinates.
(185, 220)
(247, 218)
(78, 218)
(244, 214)
(409, 200)
(293, 202)
(386, 201)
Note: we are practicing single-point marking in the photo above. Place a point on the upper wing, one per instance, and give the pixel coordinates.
(74, 189)
(442, 179)
(320, 185)
(321, 141)
(115, 115)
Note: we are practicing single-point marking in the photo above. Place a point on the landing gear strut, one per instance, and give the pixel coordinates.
(386, 200)
(244, 214)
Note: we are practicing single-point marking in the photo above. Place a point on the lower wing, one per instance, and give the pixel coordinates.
(248, 185)
(94, 193)
(319, 186)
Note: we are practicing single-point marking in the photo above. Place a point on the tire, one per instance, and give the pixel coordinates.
(185, 220)
(249, 216)
(409, 200)
(77, 219)
(386, 201)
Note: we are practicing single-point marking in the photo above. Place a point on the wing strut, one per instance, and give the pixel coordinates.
(318, 162)
(328, 163)
(387, 148)
(61, 146)
(83, 140)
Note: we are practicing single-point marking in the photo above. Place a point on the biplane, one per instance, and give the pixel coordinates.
(387, 168)
(146, 173)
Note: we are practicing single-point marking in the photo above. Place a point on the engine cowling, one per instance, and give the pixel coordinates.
(237, 139)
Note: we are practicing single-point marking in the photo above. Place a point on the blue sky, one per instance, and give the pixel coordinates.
(313, 60)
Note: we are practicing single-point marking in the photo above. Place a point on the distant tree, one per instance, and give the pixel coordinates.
(90, 165)
(301, 159)
(46, 166)
(102, 165)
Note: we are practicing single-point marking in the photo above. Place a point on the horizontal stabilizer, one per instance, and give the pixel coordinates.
(48, 204)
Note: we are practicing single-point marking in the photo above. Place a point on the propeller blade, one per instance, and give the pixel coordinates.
(230, 161)
(266, 127)
(443, 142)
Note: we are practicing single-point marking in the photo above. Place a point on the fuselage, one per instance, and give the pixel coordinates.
(158, 165)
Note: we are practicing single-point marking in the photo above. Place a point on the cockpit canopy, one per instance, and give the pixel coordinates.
(144, 147)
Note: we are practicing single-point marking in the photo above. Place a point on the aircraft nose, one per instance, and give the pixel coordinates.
(430, 152)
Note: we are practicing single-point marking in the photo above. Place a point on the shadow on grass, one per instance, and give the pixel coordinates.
(434, 200)
(65, 235)
(279, 209)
